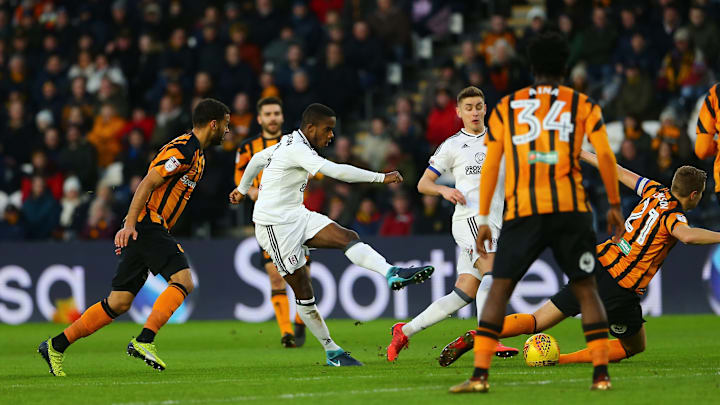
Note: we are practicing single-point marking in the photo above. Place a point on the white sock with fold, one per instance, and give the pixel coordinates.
(363, 255)
(311, 316)
(437, 311)
(482, 293)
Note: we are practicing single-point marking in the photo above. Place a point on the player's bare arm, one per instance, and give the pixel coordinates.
(151, 181)
(427, 186)
(625, 176)
(695, 236)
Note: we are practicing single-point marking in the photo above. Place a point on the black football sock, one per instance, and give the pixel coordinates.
(146, 336)
(60, 342)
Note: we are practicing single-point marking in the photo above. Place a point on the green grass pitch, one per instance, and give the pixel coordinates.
(233, 362)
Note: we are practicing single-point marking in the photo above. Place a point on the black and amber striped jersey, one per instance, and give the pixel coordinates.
(708, 125)
(246, 151)
(540, 131)
(634, 258)
(181, 163)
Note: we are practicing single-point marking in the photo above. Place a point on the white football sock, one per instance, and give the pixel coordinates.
(311, 316)
(437, 311)
(482, 293)
(365, 256)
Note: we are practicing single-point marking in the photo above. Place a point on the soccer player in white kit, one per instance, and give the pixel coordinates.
(462, 155)
(283, 226)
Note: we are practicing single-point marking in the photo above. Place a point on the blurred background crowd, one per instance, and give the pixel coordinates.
(93, 88)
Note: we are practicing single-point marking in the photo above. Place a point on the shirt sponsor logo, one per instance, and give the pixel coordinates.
(186, 181)
(624, 246)
(550, 158)
(681, 218)
(172, 164)
(470, 170)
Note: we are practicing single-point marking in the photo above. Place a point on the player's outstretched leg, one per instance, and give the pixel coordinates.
(94, 318)
(595, 328)
(333, 236)
(142, 347)
(299, 281)
(436, 312)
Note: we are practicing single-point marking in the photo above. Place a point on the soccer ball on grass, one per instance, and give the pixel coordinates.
(541, 350)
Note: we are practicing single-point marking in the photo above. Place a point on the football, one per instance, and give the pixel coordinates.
(541, 350)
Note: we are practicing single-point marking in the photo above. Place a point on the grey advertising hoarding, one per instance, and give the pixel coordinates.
(232, 285)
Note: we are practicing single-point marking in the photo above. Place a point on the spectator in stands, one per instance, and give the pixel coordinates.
(104, 69)
(110, 93)
(51, 146)
(597, 45)
(141, 121)
(43, 169)
(683, 72)
(147, 66)
(135, 157)
(476, 77)
(267, 86)
(403, 160)
(241, 118)
(432, 217)
(367, 219)
(637, 94)
(400, 220)
(665, 164)
(632, 159)
(294, 62)
(122, 53)
(332, 76)
(363, 53)
(300, 96)
(498, 31)
(506, 72)
(634, 132)
(442, 120)
(177, 58)
(469, 58)
(83, 66)
(392, 27)
(101, 222)
(17, 138)
(374, 146)
(276, 52)
(171, 122)
(266, 22)
(638, 53)
(249, 52)
(79, 97)
(448, 78)
(236, 76)
(339, 212)
(537, 24)
(210, 50)
(11, 227)
(669, 131)
(105, 135)
(306, 26)
(704, 34)
(71, 200)
(664, 33)
(79, 158)
(40, 211)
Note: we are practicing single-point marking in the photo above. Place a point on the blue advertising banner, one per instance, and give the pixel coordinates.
(231, 284)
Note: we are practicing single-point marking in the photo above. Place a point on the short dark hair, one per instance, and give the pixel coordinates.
(471, 91)
(688, 179)
(207, 110)
(548, 54)
(268, 101)
(316, 112)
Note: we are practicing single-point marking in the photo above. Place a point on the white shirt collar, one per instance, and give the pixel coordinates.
(475, 136)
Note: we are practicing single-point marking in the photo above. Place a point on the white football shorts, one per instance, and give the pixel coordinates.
(284, 242)
(465, 233)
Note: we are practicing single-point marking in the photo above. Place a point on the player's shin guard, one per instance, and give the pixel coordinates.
(314, 321)
(437, 311)
(281, 306)
(163, 308)
(617, 352)
(482, 293)
(90, 322)
(486, 339)
(596, 336)
(518, 324)
(365, 256)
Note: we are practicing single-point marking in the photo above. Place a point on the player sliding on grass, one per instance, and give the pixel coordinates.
(145, 242)
(283, 225)
(625, 265)
(540, 130)
(462, 155)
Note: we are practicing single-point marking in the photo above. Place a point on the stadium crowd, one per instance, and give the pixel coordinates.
(93, 88)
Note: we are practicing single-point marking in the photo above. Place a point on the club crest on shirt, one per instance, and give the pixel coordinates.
(172, 164)
(480, 157)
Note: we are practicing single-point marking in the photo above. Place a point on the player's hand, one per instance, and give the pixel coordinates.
(393, 177)
(123, 237)
(253, 193)
(453, 195)
(483, 234)
(236, 197)
(615, 221)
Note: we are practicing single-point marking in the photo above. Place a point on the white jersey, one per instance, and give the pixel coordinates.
(282, 187)
(463, 155)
